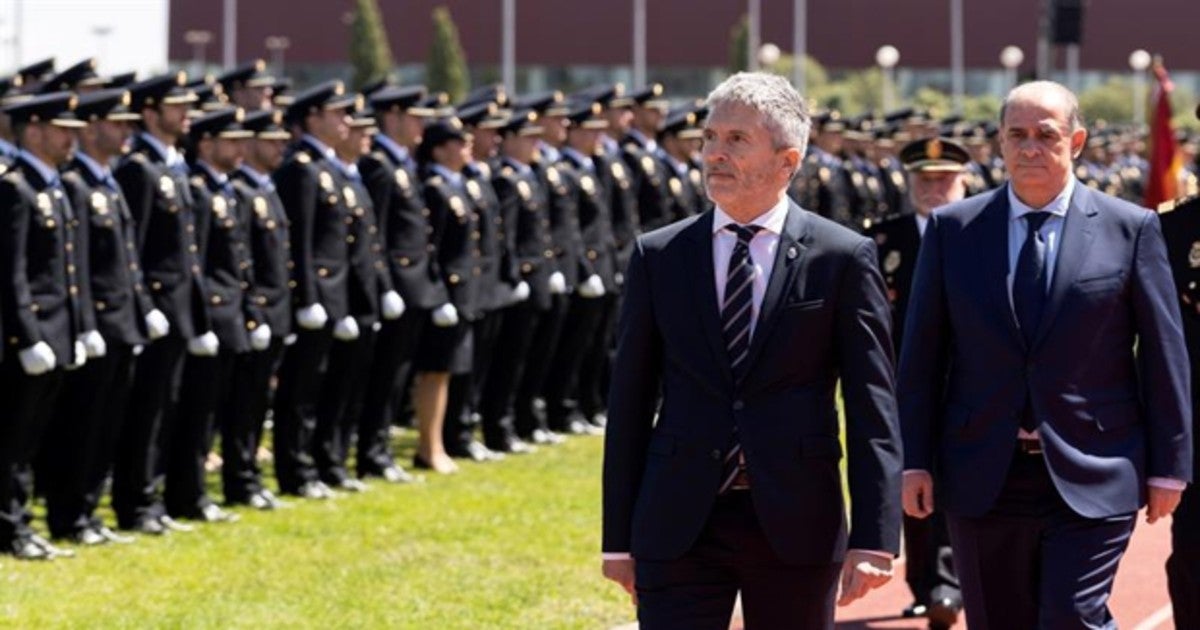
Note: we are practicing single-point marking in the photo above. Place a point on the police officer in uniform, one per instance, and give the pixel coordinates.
(41, 272)
(92, 408)
(639, 149)
(249, 85)
(9, 91)
(822, 183)
(270, 253)
(311, 188)
(937, 176)
(153, 178)
(389, 171)
(685, 183)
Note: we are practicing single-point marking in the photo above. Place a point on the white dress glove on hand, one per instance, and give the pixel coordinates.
(312, 317)
(521, 292)
(260, 337)
(290, 340)
(79, 356)
(94, 343)
(445, 316)
(37, 359)
(591, 288)
(393, 305)
(346, 329)
(558, 283)
(205, 345)
(157, 325)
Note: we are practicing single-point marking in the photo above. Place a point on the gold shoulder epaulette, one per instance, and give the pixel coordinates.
(303, 157)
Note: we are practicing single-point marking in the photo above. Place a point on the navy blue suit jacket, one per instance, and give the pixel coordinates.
(1107, 370)
(824, 317)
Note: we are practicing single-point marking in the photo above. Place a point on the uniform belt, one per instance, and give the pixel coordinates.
(740, 482)
(1029, 447)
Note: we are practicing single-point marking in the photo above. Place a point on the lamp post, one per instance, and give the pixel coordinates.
(198, 40)
(1139, 60)
(754, 15)
(887, 57)
(101, 31)
(799, 44)
(768, 55)
(277, 45)
(1011, 58)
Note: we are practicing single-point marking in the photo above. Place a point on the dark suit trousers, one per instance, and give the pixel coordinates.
(929, 561)
(82, 439)
(205, 386)
(579, 335)
(394, 349)
(546, 340)
(518, 326)
(341, 404)
(1183, 567)
(301, 378)
(152, 405)
(1032, 562)
(697, 590)
(245, 411)
(593, 373)
(28, 408)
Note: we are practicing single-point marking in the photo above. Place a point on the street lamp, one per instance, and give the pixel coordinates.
(198, 40)
(1011, 58)
(101, 31)
(277, 44)
(887, 57)
(768, 55)
(1139, 60)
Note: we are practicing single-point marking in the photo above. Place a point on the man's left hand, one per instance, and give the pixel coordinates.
(1161, 503)
(862, 572)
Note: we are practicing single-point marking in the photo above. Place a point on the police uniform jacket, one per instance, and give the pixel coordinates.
(498, 273)
(369, 276)
(221, 226)
(456, 238)
(595, 221)
(270, 249)
(685, 187)
(564, 217)
(525, 203)
(897, 240)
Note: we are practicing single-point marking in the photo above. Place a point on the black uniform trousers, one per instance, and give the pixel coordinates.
(395, 346)
(301, 378)
(590, 393)
(340, 406)
(153, 402)
(463, 410)
(245, 411)
(82, 442)
(549, 329)
(27, 410)
(205, 386)
(580, 335)
(509, 361)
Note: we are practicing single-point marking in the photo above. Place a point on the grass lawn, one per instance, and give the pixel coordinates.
(513, 544)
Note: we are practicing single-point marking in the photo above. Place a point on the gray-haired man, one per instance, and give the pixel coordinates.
(745, 318)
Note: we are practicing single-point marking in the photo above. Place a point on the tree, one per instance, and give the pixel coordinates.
(370, 54)
(739, 41)
(446, 70)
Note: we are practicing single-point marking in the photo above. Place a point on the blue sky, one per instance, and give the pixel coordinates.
(65, 29)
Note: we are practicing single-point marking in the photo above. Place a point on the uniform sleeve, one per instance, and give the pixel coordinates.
(20, 322)
(297, 186)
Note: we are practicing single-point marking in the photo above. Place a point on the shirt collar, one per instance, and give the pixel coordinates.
(772, 220)
(319, 146)
(551, 153)
(168, 154)
(220, 178)
(578, 158)
(1058, 206)
(99, 171)
(399, 153)
(449, 175)
(517, 166)
(261, 179)
(48, 175)
(647, 143)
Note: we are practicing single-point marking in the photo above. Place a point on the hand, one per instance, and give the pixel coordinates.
(393, 305)
(290, 340)
(862, 572)
(1161, 503)
(346, 329)
(37, 359)
(592, 288)
(312, 317)
(260, 337)
(79, 356)
(619, 279)
(917, 493)
(521, 292)
(94, 343)
(558, 283)
(621, 572)
(205, 345)
(157, 325)
(445, 316)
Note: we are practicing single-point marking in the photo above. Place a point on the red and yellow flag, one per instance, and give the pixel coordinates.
(1166, 163)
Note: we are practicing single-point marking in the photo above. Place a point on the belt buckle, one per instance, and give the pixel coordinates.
(1030, 447)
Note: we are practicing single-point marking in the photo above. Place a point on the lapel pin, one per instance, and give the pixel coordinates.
(792, 253)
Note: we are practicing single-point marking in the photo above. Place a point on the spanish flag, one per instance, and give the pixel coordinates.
(1162, 183)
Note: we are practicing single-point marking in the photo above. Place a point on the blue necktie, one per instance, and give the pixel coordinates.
(737, 312)
(1029, 291)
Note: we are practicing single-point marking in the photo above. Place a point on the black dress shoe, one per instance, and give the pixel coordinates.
(943, 614)
(212, 513)
(473, 450)
(111, 536)
(315, 490)
(914, 610)
(263, 500)
(86, 537)
(545, 436)
(54, 552)
(598, 420)
(173, 525)
(396, 474)
(26, 549)
(511, 445)
(350, 484)
(148, 525)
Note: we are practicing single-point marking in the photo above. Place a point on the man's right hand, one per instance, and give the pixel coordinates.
(312, 317)
(621, 572)
(917, 495)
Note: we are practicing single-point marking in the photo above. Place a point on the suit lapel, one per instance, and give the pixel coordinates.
(1077, 235)
(992, 244)
(704, 292)
(788, 257)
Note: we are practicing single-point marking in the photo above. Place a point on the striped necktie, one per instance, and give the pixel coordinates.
(737, 312)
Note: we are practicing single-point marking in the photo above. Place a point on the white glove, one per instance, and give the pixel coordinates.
(619, 279)
(312, 317)
(593, 287)
(79, 356)
(376, 327)
(445, 316)
(205, 345)
(37, 359)
(260, 337)
(94, 343)
(521, 292)
(290, 340)
(138, 350)
(346, 329)
(558, 283)
(393, 305)
(157, 325)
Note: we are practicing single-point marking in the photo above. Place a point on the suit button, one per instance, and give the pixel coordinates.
(322, 272)
(100, 305)
(738, 405)
(715, 454)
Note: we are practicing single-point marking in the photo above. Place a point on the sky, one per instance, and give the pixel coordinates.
(66, 30)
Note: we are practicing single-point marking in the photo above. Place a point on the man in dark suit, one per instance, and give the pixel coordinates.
(935, 178)
(1020, 390)
(745, 318)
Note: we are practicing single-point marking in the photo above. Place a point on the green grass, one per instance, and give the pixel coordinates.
(513, 544)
